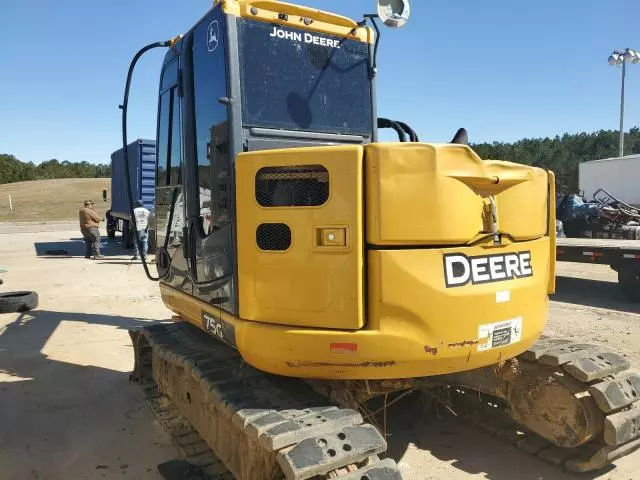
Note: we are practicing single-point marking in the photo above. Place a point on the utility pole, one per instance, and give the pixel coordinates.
(620, 59)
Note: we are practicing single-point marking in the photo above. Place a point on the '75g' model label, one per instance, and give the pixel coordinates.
(220, 329)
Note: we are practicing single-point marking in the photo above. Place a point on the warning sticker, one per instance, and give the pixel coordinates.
(500, 334)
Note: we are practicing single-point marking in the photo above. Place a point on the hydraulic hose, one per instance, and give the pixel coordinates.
(413, 136)
(127, 173)
(386, 123)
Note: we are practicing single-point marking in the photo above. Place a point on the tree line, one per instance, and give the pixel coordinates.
(13, 170)
(562, 154)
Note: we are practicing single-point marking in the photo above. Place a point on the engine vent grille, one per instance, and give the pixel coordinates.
(292, 186)
(273, 236)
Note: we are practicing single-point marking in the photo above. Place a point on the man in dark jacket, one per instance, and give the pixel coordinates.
(89, 221)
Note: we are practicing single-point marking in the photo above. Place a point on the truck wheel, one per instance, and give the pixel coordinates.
(11, 302)
(111, 228)
(124, 234)
(629, 279)
(127, 234)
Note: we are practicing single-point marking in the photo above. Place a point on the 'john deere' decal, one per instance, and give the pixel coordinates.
(305, 37)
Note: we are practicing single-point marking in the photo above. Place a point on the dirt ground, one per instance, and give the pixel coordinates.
(67, 410)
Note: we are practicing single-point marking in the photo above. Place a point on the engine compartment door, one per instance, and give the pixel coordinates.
(300, 238)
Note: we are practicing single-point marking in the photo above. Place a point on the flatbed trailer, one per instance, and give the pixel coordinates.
(621, 255)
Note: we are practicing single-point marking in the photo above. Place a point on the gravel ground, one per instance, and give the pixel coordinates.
(67, 410)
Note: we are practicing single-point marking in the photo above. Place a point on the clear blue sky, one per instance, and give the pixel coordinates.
(504, 69)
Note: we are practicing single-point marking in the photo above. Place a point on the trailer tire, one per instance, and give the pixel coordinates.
(629, 280)
(152, 241)
(111, 227)
(11, 302)
(127, 234)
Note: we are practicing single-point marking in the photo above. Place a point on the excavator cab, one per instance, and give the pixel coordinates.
(250, 77)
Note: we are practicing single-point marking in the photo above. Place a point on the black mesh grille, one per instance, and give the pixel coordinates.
(273, 236)
(292, 186)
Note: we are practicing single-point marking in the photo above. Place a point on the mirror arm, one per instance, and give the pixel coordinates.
(372, 17)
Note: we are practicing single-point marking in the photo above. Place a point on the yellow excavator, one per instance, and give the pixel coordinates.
(315, 271)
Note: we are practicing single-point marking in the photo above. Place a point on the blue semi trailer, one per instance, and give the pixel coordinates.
(142, 169)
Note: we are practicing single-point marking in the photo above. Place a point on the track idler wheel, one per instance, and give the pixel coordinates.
(572, 404)
(553, 405)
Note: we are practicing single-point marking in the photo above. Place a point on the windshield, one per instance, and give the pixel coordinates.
(300, 80)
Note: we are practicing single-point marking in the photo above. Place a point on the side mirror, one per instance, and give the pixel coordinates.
(104, 195)
(394, 13)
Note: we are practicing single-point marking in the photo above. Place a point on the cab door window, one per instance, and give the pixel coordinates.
(169, 198)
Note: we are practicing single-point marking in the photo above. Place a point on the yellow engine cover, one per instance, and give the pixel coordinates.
(429, 194)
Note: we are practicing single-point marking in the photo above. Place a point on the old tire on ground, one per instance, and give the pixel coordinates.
(629, 280)
(11, 302)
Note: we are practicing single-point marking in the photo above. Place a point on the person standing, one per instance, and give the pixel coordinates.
(141, 215)
(89, 222)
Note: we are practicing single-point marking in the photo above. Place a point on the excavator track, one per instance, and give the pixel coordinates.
(188, 441)
(258, 425)
(234, 421)
(598, 377)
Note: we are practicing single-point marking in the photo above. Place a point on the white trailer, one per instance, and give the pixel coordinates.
(618, 176)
